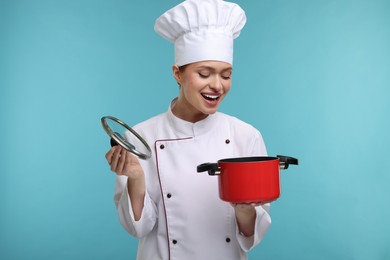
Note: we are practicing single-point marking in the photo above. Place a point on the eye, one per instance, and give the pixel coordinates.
(204, 75)
(226, 76)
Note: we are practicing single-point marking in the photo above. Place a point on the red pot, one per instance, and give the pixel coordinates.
(249, 179)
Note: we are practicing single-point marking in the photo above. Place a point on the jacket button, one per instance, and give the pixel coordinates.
(169, 195)
(228, 240)
(227, 141)
(174, 241)
(162, 146)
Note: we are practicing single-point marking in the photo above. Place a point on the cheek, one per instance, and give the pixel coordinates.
(195, 81)
(194, 84)
(189, 90)
(227, 87)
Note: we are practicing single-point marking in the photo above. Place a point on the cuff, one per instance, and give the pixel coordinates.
(126, 215)
(263, 221)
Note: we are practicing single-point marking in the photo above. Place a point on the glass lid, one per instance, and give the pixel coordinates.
(123, 135)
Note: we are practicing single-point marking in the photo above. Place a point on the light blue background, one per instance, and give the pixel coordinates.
(313, 76)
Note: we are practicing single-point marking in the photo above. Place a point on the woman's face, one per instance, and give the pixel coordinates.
(203, 85)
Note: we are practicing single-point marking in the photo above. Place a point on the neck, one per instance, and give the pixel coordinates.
(185, 112)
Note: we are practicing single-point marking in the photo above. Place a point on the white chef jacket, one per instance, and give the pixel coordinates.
(183, 217)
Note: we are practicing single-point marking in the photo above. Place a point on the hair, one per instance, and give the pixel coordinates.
(182, 68)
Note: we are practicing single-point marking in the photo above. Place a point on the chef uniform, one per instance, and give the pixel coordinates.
(183, 217)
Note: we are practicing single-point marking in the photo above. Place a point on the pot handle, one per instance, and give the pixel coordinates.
(285, 161)
(212, 168)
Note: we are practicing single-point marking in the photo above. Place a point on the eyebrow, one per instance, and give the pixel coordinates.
(213, 69)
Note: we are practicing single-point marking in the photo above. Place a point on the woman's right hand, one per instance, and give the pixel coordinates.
(124, 163)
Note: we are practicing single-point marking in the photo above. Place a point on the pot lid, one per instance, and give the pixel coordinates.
(123, 135)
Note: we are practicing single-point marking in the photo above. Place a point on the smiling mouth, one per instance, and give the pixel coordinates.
(210, 97)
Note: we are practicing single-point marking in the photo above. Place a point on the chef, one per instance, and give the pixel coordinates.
(174, 211)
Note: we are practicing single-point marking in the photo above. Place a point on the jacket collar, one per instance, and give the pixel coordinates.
(189, 129)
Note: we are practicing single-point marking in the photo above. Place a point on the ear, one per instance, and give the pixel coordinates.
(176, 73)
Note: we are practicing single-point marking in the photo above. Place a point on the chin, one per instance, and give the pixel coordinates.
(210, 111)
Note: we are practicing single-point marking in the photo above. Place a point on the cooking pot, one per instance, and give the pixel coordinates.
(249, 179)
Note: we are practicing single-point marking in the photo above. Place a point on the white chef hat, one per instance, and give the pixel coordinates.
(202, 30)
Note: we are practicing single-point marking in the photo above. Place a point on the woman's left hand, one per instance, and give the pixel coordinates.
(246, 206)
(246, 216)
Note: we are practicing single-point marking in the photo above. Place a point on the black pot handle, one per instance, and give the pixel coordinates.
(285, 161)
(211, 168)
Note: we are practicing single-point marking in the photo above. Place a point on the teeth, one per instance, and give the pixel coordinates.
(210, 96)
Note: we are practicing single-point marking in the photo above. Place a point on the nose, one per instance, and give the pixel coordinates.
(216, 84)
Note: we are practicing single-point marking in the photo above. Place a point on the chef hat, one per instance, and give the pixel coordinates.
(202, 30)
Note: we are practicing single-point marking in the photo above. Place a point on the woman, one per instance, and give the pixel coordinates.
(175, 211)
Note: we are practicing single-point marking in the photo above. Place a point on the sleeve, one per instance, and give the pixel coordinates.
(258, 146)
(122, 201)
(263, 219)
